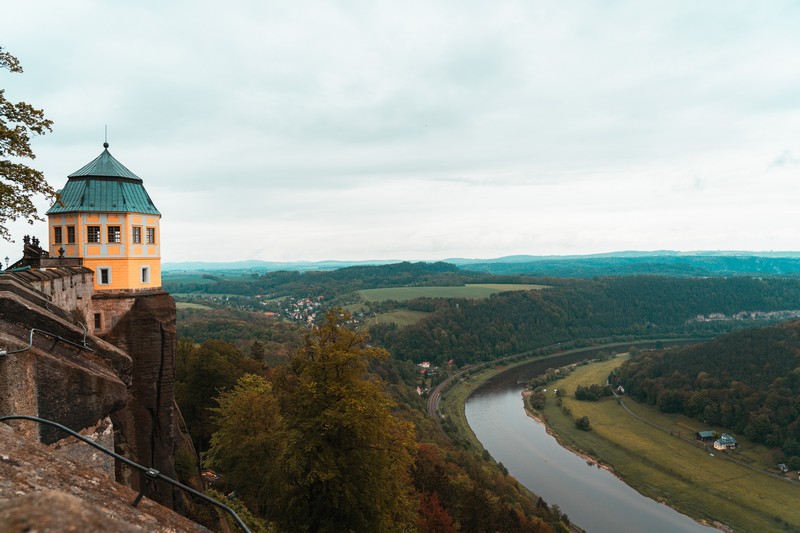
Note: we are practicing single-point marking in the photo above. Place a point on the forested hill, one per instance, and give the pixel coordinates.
(506, 323)
(666, 264)
(334, 282)
(748, 381)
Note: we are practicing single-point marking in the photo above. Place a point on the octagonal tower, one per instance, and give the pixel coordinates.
(106, 217)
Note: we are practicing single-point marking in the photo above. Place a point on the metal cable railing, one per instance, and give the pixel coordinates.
(151, 473)
(58, 338)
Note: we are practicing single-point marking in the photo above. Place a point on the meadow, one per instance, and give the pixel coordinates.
(191, 305)
(401, 317)
(664, 466)
(470, 291)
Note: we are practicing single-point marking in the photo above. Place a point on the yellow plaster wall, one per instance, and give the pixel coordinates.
(125, 259)
(125, 273)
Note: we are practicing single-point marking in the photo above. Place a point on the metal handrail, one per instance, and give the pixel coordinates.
(83, 346)
(149, 472)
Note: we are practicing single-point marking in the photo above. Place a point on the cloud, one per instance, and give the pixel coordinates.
(320, 129)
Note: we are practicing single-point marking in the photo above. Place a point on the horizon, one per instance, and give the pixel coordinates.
(522, 258)
(369, 132)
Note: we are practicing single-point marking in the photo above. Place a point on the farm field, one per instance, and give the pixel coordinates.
(667, 468)
(190, 305)
(401, 317)
(473, 291)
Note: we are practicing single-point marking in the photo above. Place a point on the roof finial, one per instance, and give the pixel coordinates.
(105, 144)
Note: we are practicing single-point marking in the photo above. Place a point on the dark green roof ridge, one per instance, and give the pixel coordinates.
(105, 165)
(104, 185)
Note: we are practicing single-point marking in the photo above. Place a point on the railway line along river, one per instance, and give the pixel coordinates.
(592, 497)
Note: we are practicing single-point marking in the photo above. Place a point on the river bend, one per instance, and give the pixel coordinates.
(592, 497)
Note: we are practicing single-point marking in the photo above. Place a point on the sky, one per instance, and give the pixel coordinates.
(425, 130)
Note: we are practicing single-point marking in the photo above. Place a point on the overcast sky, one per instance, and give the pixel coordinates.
(426, 129)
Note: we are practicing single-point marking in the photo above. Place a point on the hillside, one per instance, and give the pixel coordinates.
(641, 306)
(657, 263)
(748, 381)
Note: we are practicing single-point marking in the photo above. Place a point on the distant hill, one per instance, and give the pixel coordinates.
(659, 262)
(254, 265)
(668, 263)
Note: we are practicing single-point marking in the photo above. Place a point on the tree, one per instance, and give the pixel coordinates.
(202, 372)
(249, 441)
(583, 423)
(19, 183)
(347, 458)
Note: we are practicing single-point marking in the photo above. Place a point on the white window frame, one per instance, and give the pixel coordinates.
(89, 234)
(100, 270)
(145, 275)
(116, 236)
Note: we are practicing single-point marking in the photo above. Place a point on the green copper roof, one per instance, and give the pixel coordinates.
(104, 165)
(104, 185)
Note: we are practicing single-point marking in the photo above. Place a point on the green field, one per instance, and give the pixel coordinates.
(190, 305)
(475, 291)
(669, 469)
(401, 317)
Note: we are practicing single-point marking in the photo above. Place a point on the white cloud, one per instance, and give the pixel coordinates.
(357, 130)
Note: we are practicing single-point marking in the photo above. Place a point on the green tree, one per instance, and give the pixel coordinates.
(249, 441)
(201, 373)
(19, 183)
(348, 458)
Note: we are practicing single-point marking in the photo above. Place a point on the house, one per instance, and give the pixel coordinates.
(705, 436)
(725, 442)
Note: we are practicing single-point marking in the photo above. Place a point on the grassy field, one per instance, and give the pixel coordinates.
(475, 291)
(669, 469)
(190, 305)
(401, 317)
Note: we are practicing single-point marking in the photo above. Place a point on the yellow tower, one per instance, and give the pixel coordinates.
(106, 217)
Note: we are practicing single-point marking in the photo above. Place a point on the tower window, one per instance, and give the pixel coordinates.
(92, 233)
(151, 235)
(71, 234)
(104, 274)
(114, 234)
(137, 235)
(58, 235)
(146, 274)
(98, 321)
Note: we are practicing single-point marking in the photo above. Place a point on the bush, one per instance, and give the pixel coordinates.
(583, 423)
(592, 393)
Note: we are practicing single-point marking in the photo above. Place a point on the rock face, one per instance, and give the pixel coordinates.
(145, 328)
(50, 373)
(115, 386)
(42, 491)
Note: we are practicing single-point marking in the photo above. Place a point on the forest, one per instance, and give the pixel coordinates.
(603, 308)
(337, 439)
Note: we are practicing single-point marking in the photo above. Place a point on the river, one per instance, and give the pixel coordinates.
(592, 497)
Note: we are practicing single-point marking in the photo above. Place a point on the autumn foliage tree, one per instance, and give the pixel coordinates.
(337, 458)
(19, 183)
(250, 441)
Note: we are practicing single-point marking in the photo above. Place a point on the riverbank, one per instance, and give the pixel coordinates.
(458, 388)
(665, 467)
